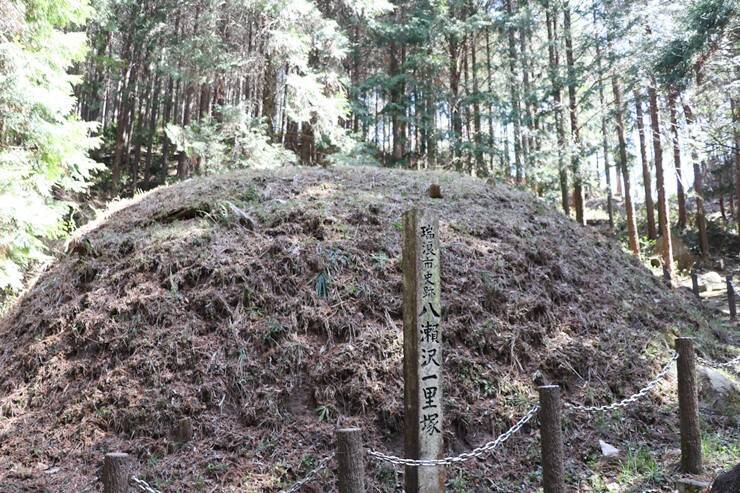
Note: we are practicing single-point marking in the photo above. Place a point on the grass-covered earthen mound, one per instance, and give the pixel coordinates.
(265, 307)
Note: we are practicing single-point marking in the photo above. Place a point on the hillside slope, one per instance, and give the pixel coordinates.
(265, 307)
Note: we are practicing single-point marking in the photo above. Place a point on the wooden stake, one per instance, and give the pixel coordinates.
(731, 298)
(551, 440)
(116, 472)
(351, 465)
(688, 407)
(695, 283)
(422, 350)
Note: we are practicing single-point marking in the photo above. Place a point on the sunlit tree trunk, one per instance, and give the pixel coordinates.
(527, 111)
(514, 92)
(736, 138)
(701, 222)
(663, 212)
(476, 109)
(677, 159)
(575, 153)
(489, 73)
(646, 176)
(554, 75)
(454, 73)
(631, 222)
(604, 138)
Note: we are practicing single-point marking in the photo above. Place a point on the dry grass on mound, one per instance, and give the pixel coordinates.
(266, 308)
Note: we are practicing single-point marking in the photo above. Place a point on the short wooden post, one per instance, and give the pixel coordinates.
(116, 472)
(551, 440)
(422, 350)
(688, 407)
(695, 283)
(731, 298)
(350, 461)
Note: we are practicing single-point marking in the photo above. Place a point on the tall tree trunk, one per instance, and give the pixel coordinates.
(183, 161)
(456, 134)
(736, 138)
(430, 120)
(476, 109)
(554, 75)
(528, 137)
(677, 158)
(268, 97)
(204, 102)
(138, 133)
(701, 221)
(631, 222)
(604, 138)
(397, 91)
(152, 128)
(166, 118)
(663, 212)
(466, 105)
(489, 86)
(575, 154)
(128, 80)
(514, 91)
(646, 177)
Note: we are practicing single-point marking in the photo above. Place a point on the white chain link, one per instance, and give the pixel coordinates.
(631, 399)
(475, 453)
(310, 476)
(143, 485)
(727, 364)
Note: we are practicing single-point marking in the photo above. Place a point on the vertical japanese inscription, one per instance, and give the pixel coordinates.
(422, 350)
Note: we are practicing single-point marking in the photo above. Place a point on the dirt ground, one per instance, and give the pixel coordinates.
(264, 308)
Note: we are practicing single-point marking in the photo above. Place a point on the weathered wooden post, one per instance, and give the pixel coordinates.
(350, 461)
(688, 406)
(695, 283)
(731, 298)
(116, 472)
(422, 350)
(551, 440)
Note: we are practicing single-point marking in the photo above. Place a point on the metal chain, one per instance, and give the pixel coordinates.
(727, 364)
(310, 476)
(475, 453)
(143, 485)
(631, 399)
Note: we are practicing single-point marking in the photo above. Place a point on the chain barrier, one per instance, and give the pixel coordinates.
(631, 399)
(475, 453)
(143, 485)
(323, 463)
(720, 366)
(491, 445)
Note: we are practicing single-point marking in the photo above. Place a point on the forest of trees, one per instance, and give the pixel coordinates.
(574, 100)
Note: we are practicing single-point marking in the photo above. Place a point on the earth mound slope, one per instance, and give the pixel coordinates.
(264, 309)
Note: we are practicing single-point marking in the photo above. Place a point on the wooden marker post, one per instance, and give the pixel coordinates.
(422, 350)
(350, 461)
(551, 440)
(688, 407)
(731, 298)
(116, 472)
(695, 283)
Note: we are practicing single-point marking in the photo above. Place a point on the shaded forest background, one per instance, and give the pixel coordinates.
(624, 112)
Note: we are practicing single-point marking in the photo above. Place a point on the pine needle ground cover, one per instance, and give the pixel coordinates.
(265, 307)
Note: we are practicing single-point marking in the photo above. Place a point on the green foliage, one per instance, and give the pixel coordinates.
(703, 23)
(351, 150)
(43, 146)
(238, 141)
(639, 464)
